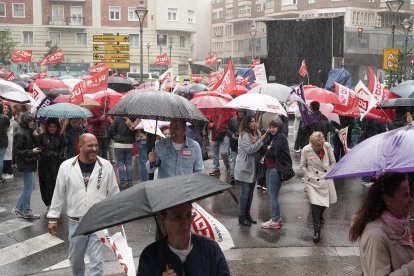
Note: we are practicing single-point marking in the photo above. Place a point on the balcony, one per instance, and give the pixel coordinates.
(73, 21)
(57, 21)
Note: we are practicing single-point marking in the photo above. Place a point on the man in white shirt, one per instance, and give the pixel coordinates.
(82, 181)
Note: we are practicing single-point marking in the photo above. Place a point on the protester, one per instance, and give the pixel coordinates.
(382, 226)
(4, 126)
(176, 155)
(142, 143)
(8, 156)
(26, 158)
(181, 252)
(339, 150)
(277, 157)
(233, 134)
(166, 131)
(249, 145)
(74, 129)
(82, 181)
(219, 144)
(296, 124)
(317, 159)
(98, 125)
(321, 124)
(52, 144)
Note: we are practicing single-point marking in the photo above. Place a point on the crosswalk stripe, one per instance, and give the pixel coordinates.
(13, 225)
(28, 247)
(2, 209)
(64, 264)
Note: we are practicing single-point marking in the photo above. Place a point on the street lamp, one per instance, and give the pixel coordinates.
(219, 61)
(253, 33)
(170, 47)
(190, 61)
(160, 41)
(148, 47)
(406, 24)
(394, 6)
(141, 12)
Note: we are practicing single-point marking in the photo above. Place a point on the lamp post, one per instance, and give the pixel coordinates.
(253, 33)
(141, 12)
(170, 47)
(190, 61)
(148, 47)
(219, 61)
(160, 41)
(406, 24)
(394, 6)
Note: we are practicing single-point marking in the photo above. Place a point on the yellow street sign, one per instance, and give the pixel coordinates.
(115, 65)
(110, 38)
(390, 59)
(111, 47)
(116, 56)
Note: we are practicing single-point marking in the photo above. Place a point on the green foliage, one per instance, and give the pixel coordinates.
(403, 71)
(7, 45)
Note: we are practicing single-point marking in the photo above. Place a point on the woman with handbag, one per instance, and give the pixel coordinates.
(276, 159)
(317, 159)
(250, 142)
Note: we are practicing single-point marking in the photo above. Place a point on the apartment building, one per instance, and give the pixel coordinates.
(173, 27)
(239, 28)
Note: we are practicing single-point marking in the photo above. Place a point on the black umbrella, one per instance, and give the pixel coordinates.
(158, 105)
(147, 198)
(120, 80)
(192, 88)
(399, 102)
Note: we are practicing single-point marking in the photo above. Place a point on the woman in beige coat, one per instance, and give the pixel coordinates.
(317, 159)
(382, 225)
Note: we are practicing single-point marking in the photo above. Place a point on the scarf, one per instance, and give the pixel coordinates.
(401, 226)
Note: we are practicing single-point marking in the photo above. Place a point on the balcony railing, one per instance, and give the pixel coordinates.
(68, 21)
(75, 21)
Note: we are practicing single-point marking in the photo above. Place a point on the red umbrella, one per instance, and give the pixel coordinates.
(111, 97)
(214, 108)
(239, 90)
(213, 93)
(314, 93)
(61, 99)
(50, 84)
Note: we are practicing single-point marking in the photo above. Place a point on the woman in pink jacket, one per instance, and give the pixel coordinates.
(383, 229)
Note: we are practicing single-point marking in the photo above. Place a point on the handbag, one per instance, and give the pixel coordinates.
(286, 174)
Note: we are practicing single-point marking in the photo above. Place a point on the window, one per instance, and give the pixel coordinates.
(372, 1)
(18, 10)
(81, 39)
(229, 11)
(132, 15)
(134, 40)
(288, 2)
(114, 13)
(244, 9)
(27, 38)
(76, 16)
(313, 1)
(2, 9)
(182, 41)
(172, 14)
(58, 15)
(162, 40)
(259, 7)
(55, 38)
(362, 18)
(270, 4)
(191, 16)
(228, 30)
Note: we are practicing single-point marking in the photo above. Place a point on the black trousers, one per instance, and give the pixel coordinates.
(7, 167)
(317, 213)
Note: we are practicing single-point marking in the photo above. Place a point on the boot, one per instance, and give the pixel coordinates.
(316, 233)
(250, 219)
(244, 221)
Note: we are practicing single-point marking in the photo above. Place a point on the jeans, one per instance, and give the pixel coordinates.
(233, 155)
(354, 139)
(2, 153)
(220, 148)
(103, 146)
(124, 158)
(80, 245)
(246, 197)
(23, 203)
(143, 158)
(273, 184)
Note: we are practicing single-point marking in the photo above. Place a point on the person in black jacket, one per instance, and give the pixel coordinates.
(322, 124)
(233, 133)
(52, 144)
(277, 157)
(339, 150)
(26, 159)
(4, 125)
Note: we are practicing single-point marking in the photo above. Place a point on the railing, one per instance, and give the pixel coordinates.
(75, 21)
(68, 21)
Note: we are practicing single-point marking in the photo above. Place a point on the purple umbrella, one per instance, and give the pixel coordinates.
(388, 151)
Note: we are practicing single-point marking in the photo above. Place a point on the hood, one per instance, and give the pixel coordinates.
(25, 119)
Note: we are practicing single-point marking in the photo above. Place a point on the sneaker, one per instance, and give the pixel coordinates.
(215, 172)
(367, 184)
(31, 215)
(8, 176)
(17, 212)
(264, 188)
(272, 224)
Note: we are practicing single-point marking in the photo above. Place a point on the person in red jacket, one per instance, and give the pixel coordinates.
(98, 126)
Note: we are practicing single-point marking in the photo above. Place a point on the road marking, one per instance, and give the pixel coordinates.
(2, 209)
(26, 248)
(64, 264)
(13, 225)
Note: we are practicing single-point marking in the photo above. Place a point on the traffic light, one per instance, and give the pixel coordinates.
(360, 30)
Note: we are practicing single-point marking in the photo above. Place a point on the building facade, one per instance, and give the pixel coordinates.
(239, 28)
(170, 27)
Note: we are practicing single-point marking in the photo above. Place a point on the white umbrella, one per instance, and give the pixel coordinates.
(12, 92)
(275, 90)
(257, 102)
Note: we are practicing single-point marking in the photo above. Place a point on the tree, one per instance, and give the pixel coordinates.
(7, 45)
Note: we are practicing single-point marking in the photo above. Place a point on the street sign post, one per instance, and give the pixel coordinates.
(115, 65)
(111, 47)
(390, 59)
(116, 56)
(110, 38)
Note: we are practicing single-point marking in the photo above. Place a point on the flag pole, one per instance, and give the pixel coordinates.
(307, 74)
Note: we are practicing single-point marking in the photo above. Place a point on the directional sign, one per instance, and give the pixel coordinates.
(111, 47)
(116, 56)
(390, 59)
(110, 38)
(115, 65)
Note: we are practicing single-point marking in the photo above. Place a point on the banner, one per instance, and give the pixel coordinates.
(206, 225)
(97, 82)
(303, 70)
(21, 56)
(42, 74)
(255, 62)
(375, 86)
(260, 74)
(298, 95)
(343, 134)
(213, 78)
(97, 68)
(53, 58)
(76, 96)
(211, 59)
(11, 76)
(196, 78)
(46, 101)
(167, 75)
(366, 100)
(162, 60)
(37, 93)
(227, 82)
(3, 70)
(349, 101)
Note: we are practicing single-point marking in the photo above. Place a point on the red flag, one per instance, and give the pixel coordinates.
(211, 59)
(196, 77)
(97, 68)
(162, 60)
(76, 96)
(303, 70)
(42, 74)
(53, 58)
(10, 76)
(227, 83)
(213, 78)
(21, 56)
(3, 70)
(97, 82)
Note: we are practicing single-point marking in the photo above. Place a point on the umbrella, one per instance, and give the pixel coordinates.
(209, 102)
(157, 105)
(121, 80)
(13, 92)
(22, 83)
(326, 110)
(399, 102)
(212, 93)
(192, 88)
(388, 151)
(64, 110)
(120, 84)
(239, 90)
(148, 198)
(314, 93)
(71, 82)
(214, 107)
(47, 84)
(106, 98)
(257, 102)
(404, 89)
(275, 90)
